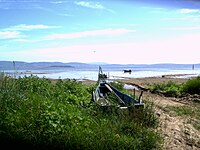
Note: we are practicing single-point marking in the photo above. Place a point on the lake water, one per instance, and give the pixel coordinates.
(115, 72)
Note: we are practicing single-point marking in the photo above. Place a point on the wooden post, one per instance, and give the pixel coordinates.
(140, 96)
(192, 67)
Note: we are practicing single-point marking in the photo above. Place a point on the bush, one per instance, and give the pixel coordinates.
(192, 86)
(168, 89)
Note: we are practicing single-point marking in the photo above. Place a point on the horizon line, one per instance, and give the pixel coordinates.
(102, 63)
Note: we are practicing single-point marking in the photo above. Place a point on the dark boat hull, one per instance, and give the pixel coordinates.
(127, 71)
(124, 100)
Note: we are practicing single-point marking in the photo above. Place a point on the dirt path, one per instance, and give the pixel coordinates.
(178, 133)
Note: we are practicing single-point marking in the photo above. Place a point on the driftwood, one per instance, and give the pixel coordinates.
(139, 86)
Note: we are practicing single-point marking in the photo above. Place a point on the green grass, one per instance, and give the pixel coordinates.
(192, 86)
(168, 89)
(34, 113)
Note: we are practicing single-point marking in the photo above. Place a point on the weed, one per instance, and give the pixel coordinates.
(168, 89)
(192, 86)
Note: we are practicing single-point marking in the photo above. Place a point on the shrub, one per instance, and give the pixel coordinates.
(168, 89)
(192, 86)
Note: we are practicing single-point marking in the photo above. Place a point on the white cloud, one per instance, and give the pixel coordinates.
(90, 5)
(106, 32)
(26, 40)
(186, 10)
(9, 34)
(121, 25)
(93, 5)
(57, 2)
(185, 18)
(65, 15)
(15, 32)
(24, 27)
(183, 28)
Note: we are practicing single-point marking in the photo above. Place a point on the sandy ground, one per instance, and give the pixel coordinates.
(178, 133)
(152, 80)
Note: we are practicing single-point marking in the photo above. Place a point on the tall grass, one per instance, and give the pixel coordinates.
(168, 89)
(34, 113)
(192, 86)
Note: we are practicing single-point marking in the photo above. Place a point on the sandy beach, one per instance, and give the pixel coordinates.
(152, 80)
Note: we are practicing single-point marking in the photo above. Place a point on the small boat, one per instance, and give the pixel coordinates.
(128, 71)
(107, 95)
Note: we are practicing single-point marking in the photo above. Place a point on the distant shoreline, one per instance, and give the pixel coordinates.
(25, 73)
(35, 73)
(112, 77)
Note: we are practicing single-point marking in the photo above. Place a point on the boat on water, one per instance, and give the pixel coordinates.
(106, 95)
(128, 71)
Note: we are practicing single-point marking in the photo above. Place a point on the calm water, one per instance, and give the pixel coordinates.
(113, 72)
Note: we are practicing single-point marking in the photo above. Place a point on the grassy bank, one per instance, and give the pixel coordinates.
(192, 86)
(34, 113)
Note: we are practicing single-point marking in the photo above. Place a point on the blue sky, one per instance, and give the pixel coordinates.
(112, 31)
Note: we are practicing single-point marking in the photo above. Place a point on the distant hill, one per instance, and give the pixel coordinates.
(10, 65)
(77, 64)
